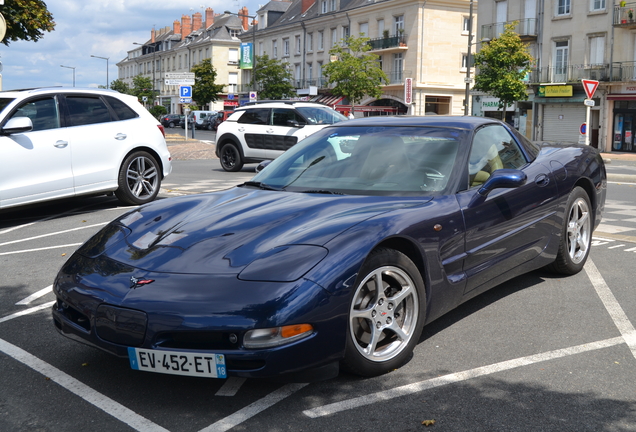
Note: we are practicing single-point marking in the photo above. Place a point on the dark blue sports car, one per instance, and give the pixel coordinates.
(334, 255)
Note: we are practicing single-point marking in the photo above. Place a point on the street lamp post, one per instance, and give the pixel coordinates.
(253, 41)
(470, 44)
(104, 58)
(70, 67)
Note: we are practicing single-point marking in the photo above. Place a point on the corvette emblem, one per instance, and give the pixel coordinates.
(134, 282)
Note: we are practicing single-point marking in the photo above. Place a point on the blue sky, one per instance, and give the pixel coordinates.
(104, 28)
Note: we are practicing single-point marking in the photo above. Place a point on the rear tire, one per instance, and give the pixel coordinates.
(231, 158)
(576, 234)
(386, 314)
(139, 179)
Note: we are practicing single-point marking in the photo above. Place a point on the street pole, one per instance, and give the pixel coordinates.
(70, 67)
(104, 58)
(470, 44)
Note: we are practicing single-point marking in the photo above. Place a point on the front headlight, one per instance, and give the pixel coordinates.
(283, 263)
(271, 337)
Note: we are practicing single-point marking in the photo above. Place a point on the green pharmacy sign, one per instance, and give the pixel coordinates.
(247, 56)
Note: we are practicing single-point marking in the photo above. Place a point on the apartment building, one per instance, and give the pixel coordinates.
(189, 41)
(423, 40)
(571, 41)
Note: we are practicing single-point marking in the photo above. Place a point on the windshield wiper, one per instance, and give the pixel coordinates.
(263, 186)
(321, 191)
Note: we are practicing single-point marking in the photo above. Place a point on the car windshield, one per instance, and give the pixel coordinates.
(321, 115)
(367, 161)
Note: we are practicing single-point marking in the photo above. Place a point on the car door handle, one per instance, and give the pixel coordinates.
(542, 180)
(61, 144)
(241, 129)
(120, 136)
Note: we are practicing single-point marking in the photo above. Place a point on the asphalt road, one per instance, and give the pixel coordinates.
(537, 353)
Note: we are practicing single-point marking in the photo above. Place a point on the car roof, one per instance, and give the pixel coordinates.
(282, 103)
(45, 90)
(461, 122)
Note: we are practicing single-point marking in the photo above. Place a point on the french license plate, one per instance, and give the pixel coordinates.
(178, 363)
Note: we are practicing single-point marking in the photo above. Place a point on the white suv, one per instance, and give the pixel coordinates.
(262, 131)
(63, 142)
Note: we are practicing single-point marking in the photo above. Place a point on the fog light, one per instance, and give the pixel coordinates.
(271, 337)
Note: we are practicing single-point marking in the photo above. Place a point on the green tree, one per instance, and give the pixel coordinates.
(502, 64)
(158, 110)
(356, 72)
(26, 20)
(274, 79)
(205, 90)
(142, 86)
(120, 86)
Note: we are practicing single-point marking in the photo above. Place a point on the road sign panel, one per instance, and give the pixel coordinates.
(179, 82)
(185, 91)
(185, 100)
(583, 128)
(253, 96)
(590, 87)
(179, 75)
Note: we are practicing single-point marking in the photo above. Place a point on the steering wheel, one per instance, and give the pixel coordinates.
(433, 175)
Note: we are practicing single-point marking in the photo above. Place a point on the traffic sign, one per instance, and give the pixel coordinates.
(179, 82)
(590, 87)
(185, 100)
(583, 128)
(185, 91)
(253, 96)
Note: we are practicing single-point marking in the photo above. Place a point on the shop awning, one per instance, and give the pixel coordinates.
(328, 99)
(621, 97)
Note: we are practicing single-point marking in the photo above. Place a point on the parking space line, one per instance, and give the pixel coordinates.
(230, 387)
(53, 233)
(27, 311)
(453, 378)
(254, 408)
(109, 406)
(40, 249)
(611, 304)
(36, 295)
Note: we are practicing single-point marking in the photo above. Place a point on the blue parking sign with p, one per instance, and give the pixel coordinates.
(185, 91)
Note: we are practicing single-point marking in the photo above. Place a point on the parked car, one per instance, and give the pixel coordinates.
(64, 142)
(212, 122)
(171, 120)
(264, 130)
(336, 254)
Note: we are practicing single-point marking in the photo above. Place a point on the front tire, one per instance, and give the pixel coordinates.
(139, 179)
(386, 314)
(576, 234)
(171, 125)
(231, 158)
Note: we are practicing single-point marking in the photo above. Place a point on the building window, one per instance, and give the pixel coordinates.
(323, 6)
(345, 32)
(364, 29)
(233, 56)
(333, 5)
(398, 23)
(563, 7)
(398, 63)
(597, 5)
(234, 33)
(334, 37)
(232, 79)
(437, 105)
(298, 75)
(310, 42)
(297, 44)
(274, 49)
(310, 71)
(561, 53)
(321, 41)
(466, 25)
(597, 50)
(380, 27)
(285, 47)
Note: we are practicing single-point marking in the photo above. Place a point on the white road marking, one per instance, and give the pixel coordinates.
(27, 311)
(109, 406)
(630, 249)
(252, 409)
(611, 304)
(231, 386)
(53, 233)
(453, 378)
(16, 228)
(40, 249)
(617, 246)
(36, 295)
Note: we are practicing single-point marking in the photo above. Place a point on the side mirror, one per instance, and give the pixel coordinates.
(17, 125)
(261, 166)
(294, 123)
(503, 178)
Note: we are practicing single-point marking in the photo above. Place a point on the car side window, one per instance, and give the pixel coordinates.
(43, 113)
(85, 110)
(493, 148)
(281, 117)
(258, 116)
(123, 111)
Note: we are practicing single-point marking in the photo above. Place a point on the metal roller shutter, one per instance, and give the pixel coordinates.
(561, 122)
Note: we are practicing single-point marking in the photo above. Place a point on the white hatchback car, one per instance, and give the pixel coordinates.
(263, 130)
(64, 142)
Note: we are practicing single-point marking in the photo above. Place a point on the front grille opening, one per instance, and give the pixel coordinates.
(196, 340)
(244, 365)
(73, 315)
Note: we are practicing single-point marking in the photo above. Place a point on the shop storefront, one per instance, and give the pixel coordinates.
(624, 119)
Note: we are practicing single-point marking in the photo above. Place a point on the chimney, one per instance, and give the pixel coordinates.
(176, 27)
(244, 18)
(209, 17)
(152, 35)
(186, 26)
(196, 21)
(306, 4)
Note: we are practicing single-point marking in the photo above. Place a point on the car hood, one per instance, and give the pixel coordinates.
(223, 232)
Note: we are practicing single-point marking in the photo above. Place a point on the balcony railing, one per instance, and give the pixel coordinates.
(625, 16)
(570, 73)
(623, 71)
(391, 41)
(525, 28)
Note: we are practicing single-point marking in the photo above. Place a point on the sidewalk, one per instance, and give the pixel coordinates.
(189, 149)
